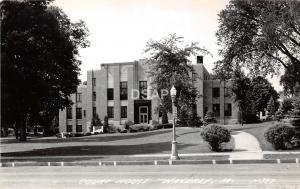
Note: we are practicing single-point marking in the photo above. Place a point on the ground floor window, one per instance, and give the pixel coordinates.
(123, 111)
(69, 128)
(78, 128)
(228, 110)
(216, 109)
(110, 112)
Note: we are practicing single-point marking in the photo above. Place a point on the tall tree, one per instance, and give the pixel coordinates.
(169, 65)
(271, 107)
(262, 91)
(39, 59)
(263, 35)
(241, 85)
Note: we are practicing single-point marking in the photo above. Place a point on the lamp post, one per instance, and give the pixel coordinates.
(174, 154)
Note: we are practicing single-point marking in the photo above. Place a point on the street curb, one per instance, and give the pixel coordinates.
(152, 162)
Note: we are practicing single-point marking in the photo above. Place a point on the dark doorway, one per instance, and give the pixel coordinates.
(142, 111)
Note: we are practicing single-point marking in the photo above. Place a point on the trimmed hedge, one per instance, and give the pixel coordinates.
(141, 127)
(215, 135)
(280, 136)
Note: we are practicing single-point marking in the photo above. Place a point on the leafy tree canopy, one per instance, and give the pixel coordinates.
(169, 65)
(263, 35)
(39, 59)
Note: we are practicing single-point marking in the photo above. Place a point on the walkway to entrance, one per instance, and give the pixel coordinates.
(246, 146)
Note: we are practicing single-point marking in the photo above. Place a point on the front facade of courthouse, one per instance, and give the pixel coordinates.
(122, 91)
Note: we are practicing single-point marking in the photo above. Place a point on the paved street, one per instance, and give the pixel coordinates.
(284, 176)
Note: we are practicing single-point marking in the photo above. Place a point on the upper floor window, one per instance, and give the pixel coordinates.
(123, 90)
(227, 110)
(216, 92)
(143, 89)
(69, 113)
(110, 94)
(216, 109)
(93, 81)
(78, 97)
(78, 113)
(94, 96)
(227, 92)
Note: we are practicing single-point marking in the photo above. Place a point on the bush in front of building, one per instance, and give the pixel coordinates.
(209, 118)
(280, 136)
(141, 127)
(215, 135)
(128, 123)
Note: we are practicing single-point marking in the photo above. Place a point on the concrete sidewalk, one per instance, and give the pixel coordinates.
(246, 147)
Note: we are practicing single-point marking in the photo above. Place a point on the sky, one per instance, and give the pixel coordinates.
(119, 29)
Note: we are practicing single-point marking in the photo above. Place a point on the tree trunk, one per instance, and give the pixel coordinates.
(242, 118)
(164, 117)
(17, 130)
(22, 126)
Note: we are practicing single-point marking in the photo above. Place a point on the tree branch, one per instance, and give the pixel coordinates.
(278, 59)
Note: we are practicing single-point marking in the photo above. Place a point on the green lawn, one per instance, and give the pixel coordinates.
(122, 144)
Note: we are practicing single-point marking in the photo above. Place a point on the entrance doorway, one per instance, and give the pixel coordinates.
(143, 114)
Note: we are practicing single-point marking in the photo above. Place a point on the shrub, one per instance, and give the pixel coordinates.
(128, 123)
(215, 135)
(280, 136)
(121, 128)
(209, 118)
(139, 127)
(194, 120)
(279, 115)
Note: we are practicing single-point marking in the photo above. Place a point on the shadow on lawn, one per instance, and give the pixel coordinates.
(93, 138)
(86, 150)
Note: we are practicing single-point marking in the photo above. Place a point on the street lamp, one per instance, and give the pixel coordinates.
(174, 155)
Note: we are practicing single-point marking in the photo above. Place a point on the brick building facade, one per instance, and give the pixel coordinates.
(122, 91)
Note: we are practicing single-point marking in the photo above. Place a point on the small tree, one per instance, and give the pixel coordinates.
(271, 107)
(105, 125)
(209, 118)
(96, 121)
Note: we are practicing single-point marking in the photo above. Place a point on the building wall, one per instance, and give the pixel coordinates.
(110, 75)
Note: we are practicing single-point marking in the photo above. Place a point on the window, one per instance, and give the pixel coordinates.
(84, 114)
(110, 94)
(216, 92)
(110, 112)
(227, 92)
(123, 111)
(143, 89)
(194, 76)
(94, 96)
(78, 128)
(69, 113)
(78, 113)
(227, 110)
(205, 110)
(216, 109)
(123, 90)
(78, 97)
(93, 81)
(94, 111)
(69, 128)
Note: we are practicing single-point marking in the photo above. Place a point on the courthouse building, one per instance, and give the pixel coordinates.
(122, 91)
